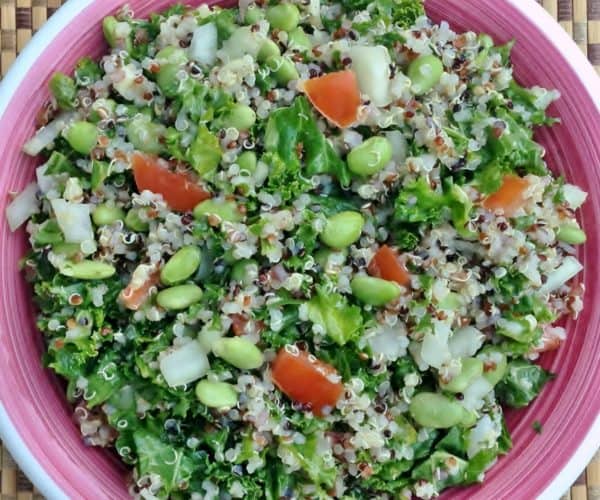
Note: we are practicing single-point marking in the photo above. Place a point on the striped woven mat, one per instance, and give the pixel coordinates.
(19, 19)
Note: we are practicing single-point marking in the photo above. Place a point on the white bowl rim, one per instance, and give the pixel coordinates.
(69, 10)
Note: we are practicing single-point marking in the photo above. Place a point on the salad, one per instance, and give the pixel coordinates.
(298, 249)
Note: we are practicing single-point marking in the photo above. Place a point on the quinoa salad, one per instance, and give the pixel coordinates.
(298, 250)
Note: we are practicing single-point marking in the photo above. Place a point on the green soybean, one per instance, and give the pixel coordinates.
(183, 264)
(371, 156)
(69, 250)
(247, 161)
(245, 272)
(268, 49)
(285, 16)
(283, 69)
(82, 137)
(298, 40)
(470, 370)
(64, 90)
(179, 297)
(494, 364)
(240, 116)
(343, 229)
(374, 291)
(88, 270)
(254, 14)
(219, 395)
(171, 55)
(430, 409)
(105, 214)
(225, 210)
(167, 79)
(425, 73)
(134, 222)
(146, 135)
(239, 352)
(571, 233)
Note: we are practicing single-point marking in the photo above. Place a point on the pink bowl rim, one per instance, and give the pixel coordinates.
(8, 86)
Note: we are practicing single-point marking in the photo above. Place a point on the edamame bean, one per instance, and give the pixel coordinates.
(494, 364)
(245, 272)
(219, 395)
(105, 214)
(183, 264)
(69, 250)
(371, 156)
(179, 297)
(64, 90)
(239, 352)
(171, 55)
(247, 161)
(82, 137)
(225, 210)
(254, 14)
(430, 409)
(374, 291)
(240, 116)
(470, 370)
(167, 79)
(88, 270)
(134, 222)
(268, 49)
(571, 233)
(343, 229)
(298, 40)
(485, 41)
(146, 135)
(285, 16)
(283, 69)
(425, 73)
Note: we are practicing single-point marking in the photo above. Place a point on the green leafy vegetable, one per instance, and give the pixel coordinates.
(522, 383)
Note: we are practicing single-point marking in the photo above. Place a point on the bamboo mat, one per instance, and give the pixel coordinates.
(19, 19)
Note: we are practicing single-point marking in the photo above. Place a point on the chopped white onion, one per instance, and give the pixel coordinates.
(474, 394)
(569, 268)
(184, 365)
(465, 342)
(203, 48)
(48, 134)
(314, 12)
(434, 349)
(372, 68)
(74, 220)
(574, 196)
(22, 207)
(389, 343)
(399, 145)
(45, 182)
(483, 436)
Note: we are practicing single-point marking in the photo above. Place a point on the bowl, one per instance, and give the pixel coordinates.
(35, 420)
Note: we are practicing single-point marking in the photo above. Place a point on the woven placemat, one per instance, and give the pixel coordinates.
(20, 19)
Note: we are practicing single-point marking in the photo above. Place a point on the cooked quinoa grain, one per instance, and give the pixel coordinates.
(298, 250)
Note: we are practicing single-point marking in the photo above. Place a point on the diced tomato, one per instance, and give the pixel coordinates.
(178, 190)
(386, 265)
(336, 96)
(306, 380)
(510, 197)
(134, 298)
